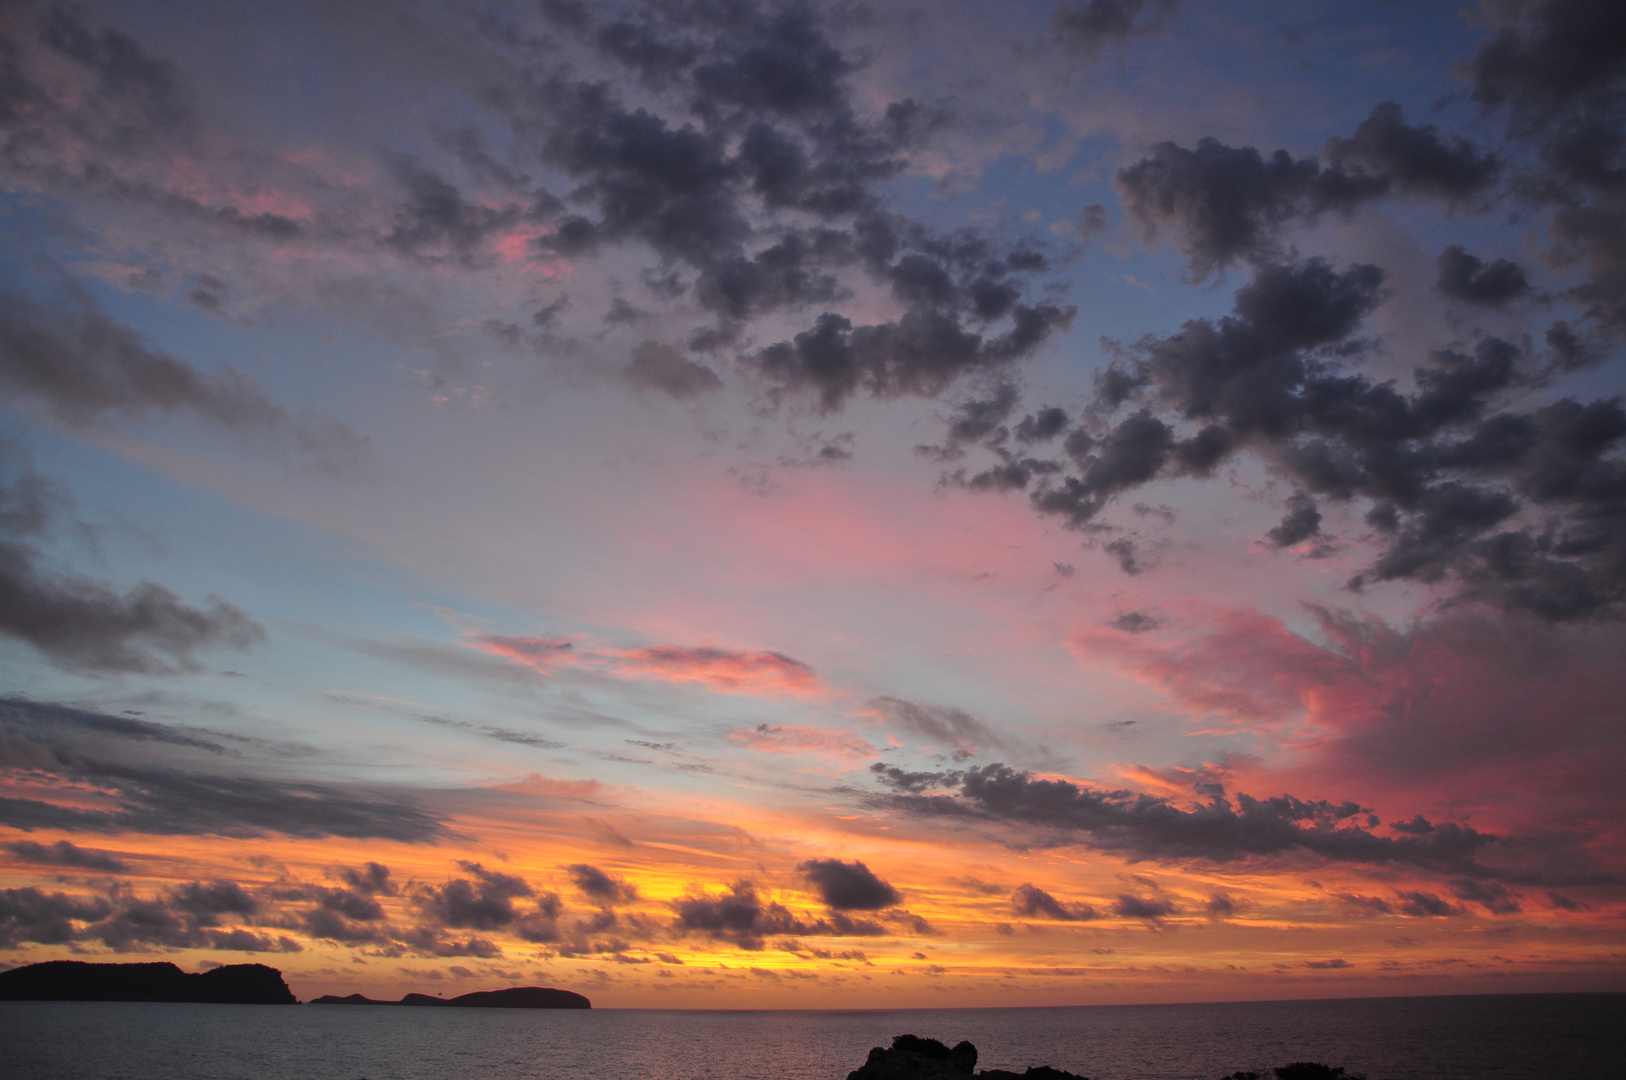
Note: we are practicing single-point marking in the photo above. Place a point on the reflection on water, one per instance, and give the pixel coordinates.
(1463, 1038)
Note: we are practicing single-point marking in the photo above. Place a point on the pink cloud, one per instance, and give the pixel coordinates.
(1245, 670)
(541, 654)
(798, 739)
(1515, 722)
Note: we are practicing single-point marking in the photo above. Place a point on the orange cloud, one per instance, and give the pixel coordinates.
(720, 669)
(798, 739)
(726, 671)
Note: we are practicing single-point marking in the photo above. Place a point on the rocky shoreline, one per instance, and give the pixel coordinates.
(913, 1058)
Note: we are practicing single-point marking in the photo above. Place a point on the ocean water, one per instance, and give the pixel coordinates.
(1514, 1037)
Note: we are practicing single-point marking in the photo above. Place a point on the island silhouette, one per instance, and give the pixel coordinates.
(515, 997)
(233, 984)
(76, 980)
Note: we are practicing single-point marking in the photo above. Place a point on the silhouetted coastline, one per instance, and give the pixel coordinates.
(515, 997)
(76, 980)
(913, 1058)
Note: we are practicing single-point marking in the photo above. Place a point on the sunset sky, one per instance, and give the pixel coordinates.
(723, 503)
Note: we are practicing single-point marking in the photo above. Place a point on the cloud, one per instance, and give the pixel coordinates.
(848, 886)
(661, 367)
(1222, 830)
(799, 739)
(86, 625)
(81, 364)
(1031, 901)
(601, 887)
(740, 915)
(1413, 159)
(1230, 204)
(484, 901)
(728, 671)
(723, 670)
(1546, 56)
(1301, 522)
(61, 743)
(1087, 26)
(67, 855)
(921, 353)
(186, 917)
(1135, 622)
(1466, 277)
(1446, 474)
(944, 725)
(47, 918)
(1149, 908)
(1442, 707)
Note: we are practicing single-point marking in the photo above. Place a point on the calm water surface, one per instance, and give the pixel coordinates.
(1457, 1038)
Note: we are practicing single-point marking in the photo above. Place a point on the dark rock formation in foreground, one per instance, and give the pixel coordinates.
(515, 997)
(74, 980)
(913, 1058)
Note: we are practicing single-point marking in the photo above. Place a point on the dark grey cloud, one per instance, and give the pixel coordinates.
(1224, 829)
(68, 355)
(1301, 522)
(943, 724)
(370, 879)
(663, 368)
(1424, 905)
(601, 887)
(741, 916)
(67, 855)
(1088, 26)
(1493, 896)
(1413, 159)
(1547, 56)
(1466, 277)
(913, 782)
(923, 352)
(187, 917)
(1558, 70)
(46, 918)
(78, 360)
(1521, 509)
(436, 223)
(204, 902)
(1135, 622)
(762, 124)
(1227, 204)
(849, 886)
(483, 901)
(79, 747)
(1043, 425)
(1034, 902)
(1230, 204)
(87, 625)
(1150, 908)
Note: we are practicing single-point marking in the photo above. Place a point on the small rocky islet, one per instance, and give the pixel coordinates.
(913, 1058)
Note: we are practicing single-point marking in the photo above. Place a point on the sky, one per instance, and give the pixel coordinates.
(730, 503)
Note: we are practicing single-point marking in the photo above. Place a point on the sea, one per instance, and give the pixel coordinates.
(1504, 1037)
